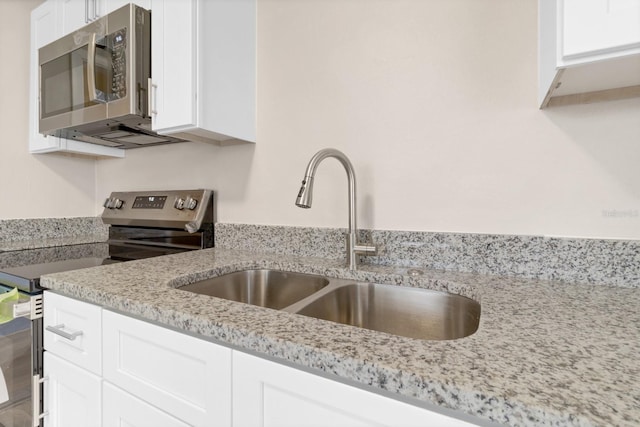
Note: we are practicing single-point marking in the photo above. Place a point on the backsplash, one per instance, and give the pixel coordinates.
(17, 234)
(589, 261)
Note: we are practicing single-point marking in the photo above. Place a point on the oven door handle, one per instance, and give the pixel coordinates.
(36, 394)
(59, 330)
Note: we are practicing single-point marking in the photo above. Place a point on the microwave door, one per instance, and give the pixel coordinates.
(71, 87)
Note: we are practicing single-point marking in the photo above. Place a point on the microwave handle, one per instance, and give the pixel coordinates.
(91, 69)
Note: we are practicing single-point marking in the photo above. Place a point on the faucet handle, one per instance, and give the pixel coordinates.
(365, 249)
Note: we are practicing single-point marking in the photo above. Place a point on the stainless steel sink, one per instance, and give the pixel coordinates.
(266, 288)
(409, 312)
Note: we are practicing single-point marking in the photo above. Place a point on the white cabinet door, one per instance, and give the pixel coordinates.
(77, 13)
(72, 396)
(44, 29)
(597, 25)
(72, 14)
(119, 408)
(267, 394)
(73, 331)
(173, 65)
(186, 377)
(227, 68)
(203, 69)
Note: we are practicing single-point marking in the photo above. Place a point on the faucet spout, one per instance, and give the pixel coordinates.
(305, 196)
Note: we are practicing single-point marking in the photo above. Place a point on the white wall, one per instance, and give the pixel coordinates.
(435, 104)
(434, 101)
(32, 186)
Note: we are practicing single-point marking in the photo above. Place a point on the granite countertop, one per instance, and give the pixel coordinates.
(36, 233)
(545, 353)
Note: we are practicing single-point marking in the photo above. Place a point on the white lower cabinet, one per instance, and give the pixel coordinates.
(72, 394)
(120, 408)
(186, 377)
(145, 375)
(268, 394)
(141, 374)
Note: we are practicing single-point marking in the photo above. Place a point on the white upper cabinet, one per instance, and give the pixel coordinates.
(74, 14)
(44, 30)
(203, 66)
(599, 25)
(589, 50)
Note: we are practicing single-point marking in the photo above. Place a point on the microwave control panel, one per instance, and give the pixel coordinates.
(118, 41)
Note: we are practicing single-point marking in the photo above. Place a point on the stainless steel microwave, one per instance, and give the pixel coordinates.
(94, 82)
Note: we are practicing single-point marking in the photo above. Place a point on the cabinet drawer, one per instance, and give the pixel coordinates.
(186, 377)
(73, 331)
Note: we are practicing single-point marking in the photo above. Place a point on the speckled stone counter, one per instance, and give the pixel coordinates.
(545, 354)
(20, 234)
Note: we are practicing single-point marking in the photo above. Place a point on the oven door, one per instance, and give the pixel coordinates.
(20, 356)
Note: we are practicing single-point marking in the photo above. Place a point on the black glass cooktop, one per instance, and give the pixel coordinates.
(27, 278)
(22, 269)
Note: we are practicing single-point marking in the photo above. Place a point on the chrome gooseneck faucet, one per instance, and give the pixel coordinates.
(305, 196)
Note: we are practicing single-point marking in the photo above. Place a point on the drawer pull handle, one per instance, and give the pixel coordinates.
(58, 330)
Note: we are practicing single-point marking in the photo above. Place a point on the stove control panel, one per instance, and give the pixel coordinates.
(185, 209)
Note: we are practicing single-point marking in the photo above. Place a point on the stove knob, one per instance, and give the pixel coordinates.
(107, 203)
(179, 203)
(191, 203)
(117, 203)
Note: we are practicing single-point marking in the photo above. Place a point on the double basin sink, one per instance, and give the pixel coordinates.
(405, 311)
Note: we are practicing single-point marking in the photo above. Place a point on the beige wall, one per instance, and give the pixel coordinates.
(32, 186)
(434, 102)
